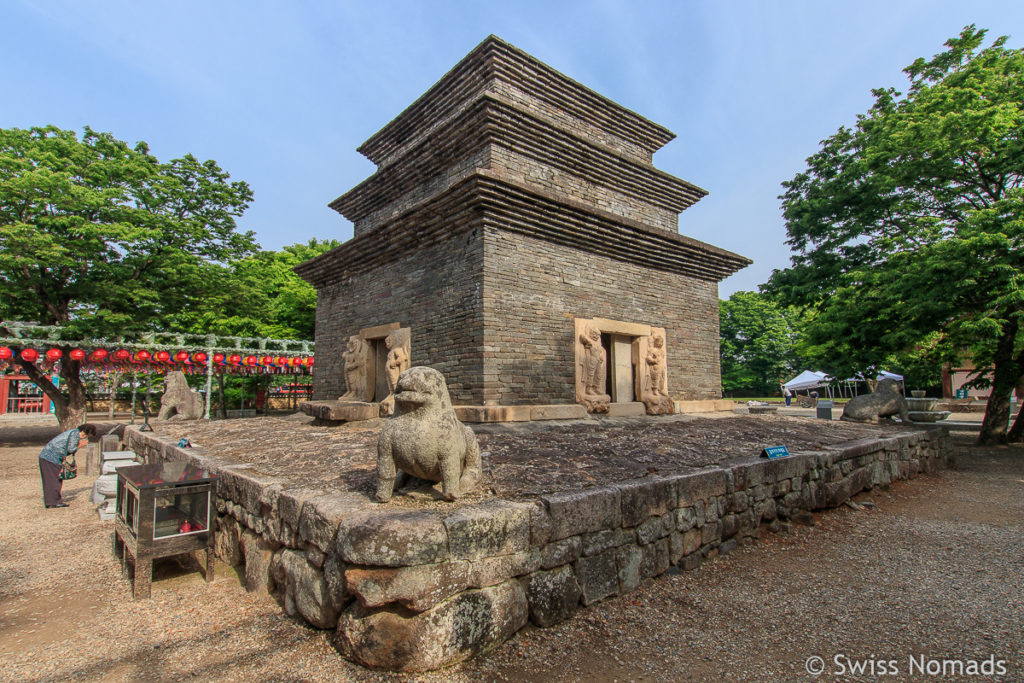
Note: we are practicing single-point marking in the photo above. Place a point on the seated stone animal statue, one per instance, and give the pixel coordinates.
(179, 402)
(884, 401)
(424, 439)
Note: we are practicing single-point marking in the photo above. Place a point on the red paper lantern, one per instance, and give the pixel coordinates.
(142, 355)
(295, 361)
(280, 361)
(266, 360)
(99, 354)
(219, 358)
(163, 356)
(234, 359)
(122, 354)
(77, 354)
(54, 354)
(250, 361)
(201, 357)
(181, 356)
(30, 355)
(309, 361)
(5, 353)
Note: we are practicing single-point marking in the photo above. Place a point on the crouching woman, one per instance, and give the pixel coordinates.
(52, 457)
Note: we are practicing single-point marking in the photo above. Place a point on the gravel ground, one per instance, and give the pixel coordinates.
(934, 569)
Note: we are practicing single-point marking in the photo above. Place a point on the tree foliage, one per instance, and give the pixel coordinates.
(260, 296)
(909, 224)
(101, 238)
(760, 344)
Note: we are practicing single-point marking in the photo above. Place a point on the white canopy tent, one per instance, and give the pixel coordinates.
(808, 379)
(813, 379)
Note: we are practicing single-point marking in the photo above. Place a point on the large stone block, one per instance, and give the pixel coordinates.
(393, 538)
(598, 576)
(226, 540)
(320, 517)
(492, 528)
(290, 502)
(417, 588)
(579, 512)
(465, 625)
(628, 559)
(700, 486)
(643, 498)
(306, 591)
(553, 595)
(488, 571)
(561, 552)
(257, 552)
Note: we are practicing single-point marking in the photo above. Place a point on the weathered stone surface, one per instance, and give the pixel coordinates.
(320, 517)
(558, 412)
(226, 538)
(257, 553)
(642, 498)
(561, 552)
(481, 414)
(598, 576)
(629, 409)
(341, 411)
(628, 559)
(492, 528)
(553, 595)
(654, 558)
(599, 541)
(489, 571)
(418, 588)
(337, 589)
(467, 624)
(393, 538)
(540, 524)
(290, 502)
(305, 589)
(700, 486)
(580, 512)
(179, 402)
(425, 439)
(686, 518)
(655, 528)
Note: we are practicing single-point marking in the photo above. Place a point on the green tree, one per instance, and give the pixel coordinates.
(260, 296)
(910, 223)
(760, 343)
(102, 239)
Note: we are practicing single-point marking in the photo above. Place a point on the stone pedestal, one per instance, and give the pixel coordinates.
(341, 411)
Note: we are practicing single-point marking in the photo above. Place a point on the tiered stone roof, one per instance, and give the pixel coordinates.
(506, 141)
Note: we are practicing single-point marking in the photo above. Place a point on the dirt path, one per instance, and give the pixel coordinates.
(935, 569)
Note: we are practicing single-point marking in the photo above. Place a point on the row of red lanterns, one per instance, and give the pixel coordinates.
(142, 356)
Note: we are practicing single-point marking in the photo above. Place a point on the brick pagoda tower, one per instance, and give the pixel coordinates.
(513, 215)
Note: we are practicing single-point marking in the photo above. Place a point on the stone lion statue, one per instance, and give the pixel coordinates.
(424, 439)
(884, 401)
(179, 402)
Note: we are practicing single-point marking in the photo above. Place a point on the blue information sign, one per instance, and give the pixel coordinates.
(772, 452)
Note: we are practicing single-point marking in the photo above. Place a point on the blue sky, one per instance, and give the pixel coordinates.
(281, 93)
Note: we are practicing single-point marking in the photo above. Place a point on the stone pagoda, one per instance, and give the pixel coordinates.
(517, 237)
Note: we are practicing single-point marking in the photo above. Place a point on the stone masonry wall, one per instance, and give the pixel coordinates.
(435, 291)
(532, 291)
(416, 589)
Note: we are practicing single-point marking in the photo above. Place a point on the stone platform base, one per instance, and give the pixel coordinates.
(341, 411)
(520, 413)
(412, 589)
(631, 409)
(716, 405)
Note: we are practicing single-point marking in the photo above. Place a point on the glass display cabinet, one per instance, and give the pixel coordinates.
(163, 509)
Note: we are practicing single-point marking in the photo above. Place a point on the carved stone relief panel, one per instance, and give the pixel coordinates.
(652, 374)
(358, 358)
(591, 367)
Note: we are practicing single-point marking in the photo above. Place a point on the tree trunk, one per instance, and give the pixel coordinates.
(70, 407)
(1006, 373)
(1016, 433)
